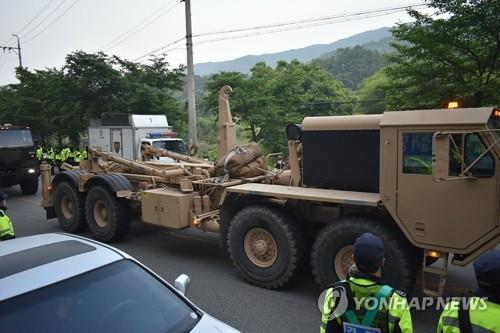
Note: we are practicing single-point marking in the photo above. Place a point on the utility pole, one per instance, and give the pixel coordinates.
(192, 137)
(18, 48)
(19, 51)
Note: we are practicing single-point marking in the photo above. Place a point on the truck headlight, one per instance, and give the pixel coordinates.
(31, 170)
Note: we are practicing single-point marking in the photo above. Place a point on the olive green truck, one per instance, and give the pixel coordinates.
(426, 182)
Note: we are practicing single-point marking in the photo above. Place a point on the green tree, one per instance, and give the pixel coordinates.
(351, 65)
(37, 101)
(60, 102)
(453, 56)
(372, 94)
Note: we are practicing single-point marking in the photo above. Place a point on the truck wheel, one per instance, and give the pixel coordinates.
(29, 186)
(331, 255)
(265, 245)
(70, 208)
(107, 216)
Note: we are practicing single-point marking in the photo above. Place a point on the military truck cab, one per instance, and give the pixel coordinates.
(436, 176)
(425, 181)
(18, 164)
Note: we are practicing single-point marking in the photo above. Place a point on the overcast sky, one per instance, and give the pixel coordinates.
(91, 25)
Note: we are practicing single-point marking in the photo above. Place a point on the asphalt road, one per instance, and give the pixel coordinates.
(215, 284)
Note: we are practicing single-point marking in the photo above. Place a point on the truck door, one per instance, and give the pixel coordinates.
(117, 142)
(449, 213)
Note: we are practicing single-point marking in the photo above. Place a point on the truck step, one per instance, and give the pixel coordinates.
(434, 273)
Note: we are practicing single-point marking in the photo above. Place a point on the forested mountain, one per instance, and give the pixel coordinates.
(305, 54)
(352, 65)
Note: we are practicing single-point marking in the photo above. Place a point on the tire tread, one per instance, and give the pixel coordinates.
(399, 246)
(120, 221)
(292, 233)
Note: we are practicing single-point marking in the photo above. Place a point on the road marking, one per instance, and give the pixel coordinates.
(30, 202)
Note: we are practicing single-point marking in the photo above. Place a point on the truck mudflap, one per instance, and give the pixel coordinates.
(50, 212)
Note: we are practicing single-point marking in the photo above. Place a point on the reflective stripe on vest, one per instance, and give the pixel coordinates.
(452, 321)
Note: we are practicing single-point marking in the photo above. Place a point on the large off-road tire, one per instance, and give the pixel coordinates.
(107, 216)
(332, 251)
(265, 245)
(29, 186)
(69, 205)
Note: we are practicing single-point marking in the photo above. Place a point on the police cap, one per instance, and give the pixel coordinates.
(368, 252)
(487, 269)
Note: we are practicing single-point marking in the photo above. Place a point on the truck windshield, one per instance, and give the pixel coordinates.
(120, 297)
(177, 146)
(15, 138)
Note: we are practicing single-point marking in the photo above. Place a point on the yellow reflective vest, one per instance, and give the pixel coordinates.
(6, 228)
(397, 314)
(39, 153)
(484, 316)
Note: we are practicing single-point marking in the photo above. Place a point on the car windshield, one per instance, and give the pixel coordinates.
(15, 138)
(120, 297)
(177, 146)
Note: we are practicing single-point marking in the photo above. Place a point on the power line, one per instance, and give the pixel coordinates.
(311, 20)
(290, 25)
(137, 25)
(334, 103)
(16, 50)
(53, 22)
(3, 61)
(161, 48)
(297, 27)
(31, 21)
(45, 18)
(141, 28)
(144, 61)
(35, 17)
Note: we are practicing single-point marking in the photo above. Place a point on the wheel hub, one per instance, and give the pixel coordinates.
(67, 207)
(343, 261)
(100, 214)
(260, 247)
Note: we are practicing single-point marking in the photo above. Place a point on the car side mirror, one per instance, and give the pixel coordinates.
(182, 283)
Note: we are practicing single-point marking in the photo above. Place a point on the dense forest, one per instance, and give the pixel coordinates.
(454, 55)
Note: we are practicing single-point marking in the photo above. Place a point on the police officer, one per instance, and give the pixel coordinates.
(368, 301)
(483, 313)
(51, 156)
(85, 153)
(39, 153)
(6, 228)
(59, 159)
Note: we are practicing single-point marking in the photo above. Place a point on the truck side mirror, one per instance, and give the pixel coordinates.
(440, 156)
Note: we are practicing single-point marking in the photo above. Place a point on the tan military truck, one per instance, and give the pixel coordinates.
(425, 181)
